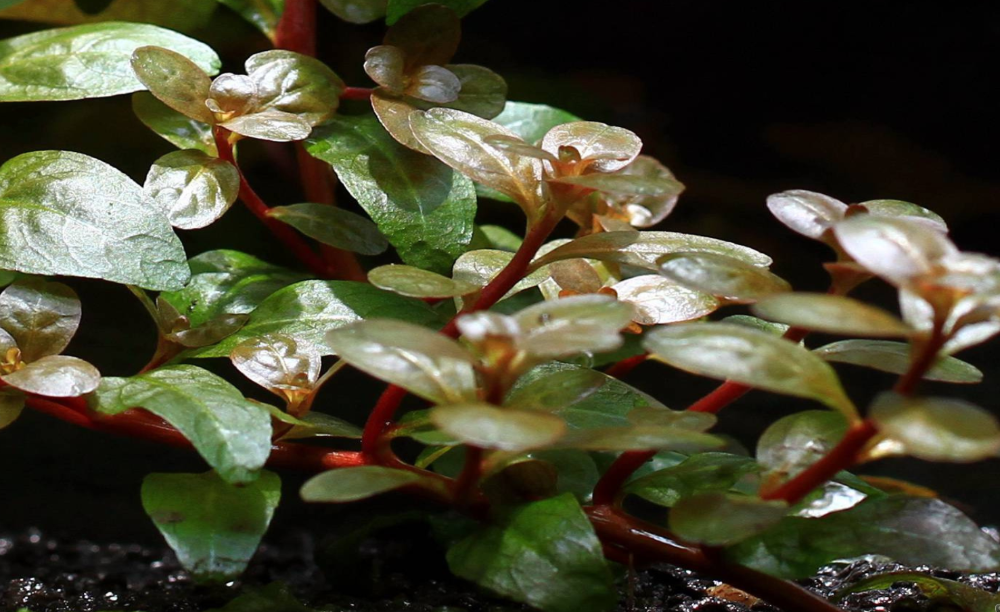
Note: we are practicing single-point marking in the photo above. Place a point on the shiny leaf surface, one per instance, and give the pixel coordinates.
(41, 316)
(831, 314)
(658, 300)
(719, 519)
(414, 282)
(608, 148)
(355, 483)
(806, 212)
(506, 429)
(699, 473)
(180, 131)
(55, 376)
(278, 362)
(333, 226)
(191, 188)
(174, 80)
(728, 278)
(937, 428)
(894, 358)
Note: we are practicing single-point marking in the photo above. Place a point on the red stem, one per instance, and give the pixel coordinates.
(626, 365)
(297, 28)
(356, 93)
(380, 419)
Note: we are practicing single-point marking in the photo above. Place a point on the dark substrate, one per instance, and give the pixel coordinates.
(46, 574)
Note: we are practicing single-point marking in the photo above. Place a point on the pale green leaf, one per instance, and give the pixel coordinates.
(414, 282)
(793, 443)
(722, 276)
(333, 226)
(191, 188)
(41, 316)
(180, 131)
(719, 519)
(55, 376)
(894, 358)
(355, 483)
(897, 249)
(11, 406)
(491, 427)
(482, 92)
(898, 208)
(658, 300)
(937, 428)
(316, 425)
(640, 438)
(699, 473)
(831, 314)
(531, 122)
(174, 80)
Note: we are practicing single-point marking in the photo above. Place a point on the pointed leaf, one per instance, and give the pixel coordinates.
(174, 80)
(728, 278)
(545, 554)
(806, 212)
(11, 405)
(506, 429)
(40, 316)
(897, 249)
(212, 525)
(414, 282)
(316, 425)
(66, 213)
(751, 357)
(333, 226)
(831, 314)
(231, 433)
(180, 131)
(719, 519)
(55, 376)
(608, 148)
(966, 597)
(937, 428)
(423, 208)
(658, 300)
(191, 188)
(86, 61)
(278, 362)
(355, 483)
(700, 473)
(894, 358)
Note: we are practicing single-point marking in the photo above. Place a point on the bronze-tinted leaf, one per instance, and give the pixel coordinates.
(832, 314)
(193, 189)
(384, 64)
(608, 148)
(894, 357)
(937, 428)
(174, 80)
(722, 276)
(428, 35)
(41, 316)
(897, 249)
(278, 362)
(55, 376)
(499, 428)
(658, 300)
(806, 212)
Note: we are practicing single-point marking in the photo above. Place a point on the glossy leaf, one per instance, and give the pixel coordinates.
(897, 249)
(806, 212)
(210, 332)
(273, 125)
(420, 360)
(720, 519)
(398, 8)
(459, 140)
(644, 249)
(356, 483)
(289, 82)
(658, 300)
(41, 316)
(584, 323)
(212, 525)
(174, 80)
(531, 122)
(386, 64)
(831, 314)
(86, 61)
(608, 148)
(333, 226)
(481, 266)
(278, 362)
(898, 208)
(700, 473)
(70, 214)
(482, 92)
(180, 131)
(11, 406)
(728, 278)
(545, 554)
(913, 531)
(937, 428)
(55, 376)
(231, 433)
(308, 310)
(428, 35)
(316, 425)
(750, 357)
(263, 14)
(414, 282)
(356, 11)
(640, 437)
(506, 429)
(894, 358)
(646, 210)
(191, 188)
(793, 443)
(180, 15)
(423, 208)
(965, 596)
(626, 184)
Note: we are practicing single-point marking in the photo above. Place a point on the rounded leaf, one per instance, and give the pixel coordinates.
(894, 358)
(40, 316)
(274, 125)
(55, 376)
(728, 278)
(482, 92)
(806, 212)
(356, 11)
(937, 428)
(898, 208)
(647, 210)
(414, 282)
(278, 362)
(831, 314)
(506, 429)
(177, 129)
(793, 443)
(897, 249)
(384, 64)
(608, 148)
(192, 188)
(296, 84)
(333, 226)
(720, 519)
(174, 80)
(658, 300)
(584, 323)
(355, 483)
(433, 84)
(11, 406)
(428, 35)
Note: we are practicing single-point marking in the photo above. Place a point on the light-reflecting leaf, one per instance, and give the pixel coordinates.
(428, 35)
(55, 376)
(658, 300)
(965, 596)
(86, 61)
(608, 148)
(70, 214)
(482, 92)
(385, 64)
(545, 554)
(11, 406)
(894, 358)
(41, 316)
(308, 310)
(728, 278)
(231, 433)
(793, 443)
(263, 14)
(720, 519)
(699, 473)
(210, 332)
(750, 357)
(806, 212)
(647, 210)
(180, 131)
(316, 425)
(433, 84)
(293, 83)
(626, 184)
(212, 525)
(481, 266)
(831, 314)
(644, 249)
(583, 323)
(191, 188)
(278, 362)
(531, 122)
(356, 11)
(897, 249)
(274, 125)
(414, 282)
(937, 428)
(398, 8)
(641, 438)
(355, 483)
(576, 275)
(333, 226)
(506, 429)
(174, 80)
(420, 360)
(423, 208)
(180, 15)
(898, 208)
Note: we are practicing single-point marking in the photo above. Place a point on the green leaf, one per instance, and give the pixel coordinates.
(700, 473)
(544, 554)
(398, 8)
(289, 82)
(233, 434)
(937, 428)
(898, 208)
(531, 122)
(356, 483)
(315, 425)
(420, 360)
(86, 61)
(482, 92)
(608, 148)
(423, 208)
(719, 519)
(582, 323)
(967, 597)
(174, 80)
(191, 188)
(55, 376)
(793, 443)
(831, 314)
(913, 531)
(11, 405)
(806, 212)
(278, 362)
(750, 357)
(414, 282)
(728, 278)
(506, 429)
(658, 300)
(356, 11)
(308, 310)
(212, 525)
(180, 15)
(180, 131)
(333, 226)
(894, 358)
(228, 282)
(41, 316)
(776, 329)
(70, 214)
(896, 249)
(263, 14)
(644, 249)
(640, 437)
(481, 266)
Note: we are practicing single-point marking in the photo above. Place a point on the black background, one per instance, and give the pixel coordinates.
(860, 100)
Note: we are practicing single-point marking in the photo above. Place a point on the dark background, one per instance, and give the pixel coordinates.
(859, 100)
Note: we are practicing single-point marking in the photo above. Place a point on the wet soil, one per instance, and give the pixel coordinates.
(47, 574)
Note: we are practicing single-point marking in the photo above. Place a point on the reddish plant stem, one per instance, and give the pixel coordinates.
(623, 367)
(296, 29)
(289, 237)
(356, 93)
(380, 419)
(925, 360)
